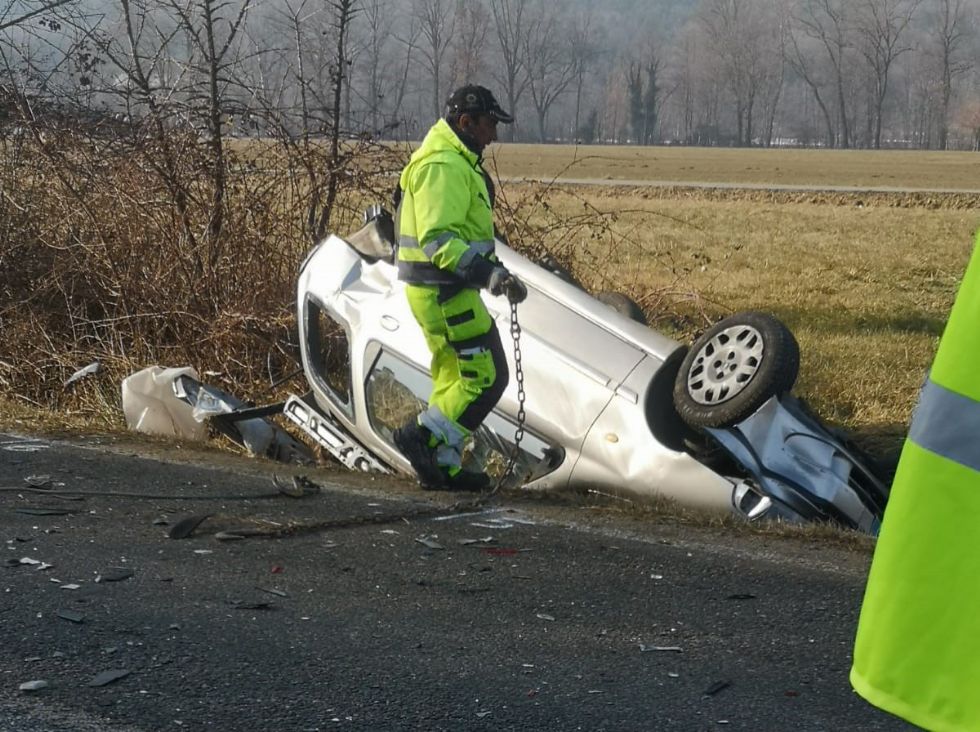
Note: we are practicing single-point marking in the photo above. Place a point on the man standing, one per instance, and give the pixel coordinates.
(445, 257)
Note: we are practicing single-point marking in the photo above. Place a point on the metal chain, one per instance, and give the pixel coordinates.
(515, 333)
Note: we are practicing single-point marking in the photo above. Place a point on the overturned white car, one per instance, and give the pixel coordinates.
(610, 405)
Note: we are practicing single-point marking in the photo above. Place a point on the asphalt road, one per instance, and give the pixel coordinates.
(528, 616)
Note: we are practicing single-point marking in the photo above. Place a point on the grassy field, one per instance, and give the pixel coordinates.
(863, 168)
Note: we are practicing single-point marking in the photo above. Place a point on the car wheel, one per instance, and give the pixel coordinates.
(623, 304)
(733, 368)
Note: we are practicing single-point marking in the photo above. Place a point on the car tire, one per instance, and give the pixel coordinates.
(733, 368)
(623, 304)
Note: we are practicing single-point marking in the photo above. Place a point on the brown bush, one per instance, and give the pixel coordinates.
(109, 251)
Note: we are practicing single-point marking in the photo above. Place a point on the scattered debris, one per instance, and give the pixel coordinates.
(644, 648)
(185, 527)
(203, 551)
(277, 569)
(741, 596)
(107, 677)
(228, 536)
(251, 604)
(500, 551)
(161, 521)
(484, 540)
(70, 587)
(430, 543)
(545, 616)
(34, 685)
(299, 487)
(90, 370)
(716, 687)
(38, 481)
(71, 616)
(42, 511)
(114, 574)
(272, 591)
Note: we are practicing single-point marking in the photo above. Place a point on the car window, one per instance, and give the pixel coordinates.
(396, 391)
(329, 349)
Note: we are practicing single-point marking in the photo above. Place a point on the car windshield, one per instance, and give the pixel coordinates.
(397, 391)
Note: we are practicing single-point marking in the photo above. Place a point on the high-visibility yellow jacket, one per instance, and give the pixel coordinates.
(917, 651)
(445, 229)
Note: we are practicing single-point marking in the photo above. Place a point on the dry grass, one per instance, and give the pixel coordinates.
(866, 285)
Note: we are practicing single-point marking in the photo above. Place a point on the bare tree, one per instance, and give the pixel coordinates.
(880, 26)
(469, 41)
(809, 70)
(510, 24)
(644, 92)
(437, 24)
(828, 23)
(549, 64)
(739, 32)
(951, 30)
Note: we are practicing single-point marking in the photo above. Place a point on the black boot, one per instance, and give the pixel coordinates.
(466, 480)
(412, 441)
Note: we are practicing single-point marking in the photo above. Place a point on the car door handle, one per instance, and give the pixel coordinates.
(389, 322)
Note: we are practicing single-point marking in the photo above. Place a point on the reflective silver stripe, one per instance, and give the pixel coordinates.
(442, 427)
(408, 242)
(483, 247)
(449, 457)
(476, 248)
(435, 245)
(472, 351)
(947, 424)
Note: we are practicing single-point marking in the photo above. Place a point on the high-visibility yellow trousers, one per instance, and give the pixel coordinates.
(469, 367)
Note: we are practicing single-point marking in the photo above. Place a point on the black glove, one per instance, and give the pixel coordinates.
(502, 282)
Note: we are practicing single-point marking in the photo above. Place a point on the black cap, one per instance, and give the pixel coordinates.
(474, 99)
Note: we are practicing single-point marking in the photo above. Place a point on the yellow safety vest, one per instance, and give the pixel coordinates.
(917, 652)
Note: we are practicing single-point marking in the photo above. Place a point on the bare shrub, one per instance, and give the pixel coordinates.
(106, 252)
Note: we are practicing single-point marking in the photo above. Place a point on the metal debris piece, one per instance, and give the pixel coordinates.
(38, 481)
(107, 677)
(251, 604)
(545, 616)
(203, 551)
(161, 521)
(644, 648)
(34, 685)
(114, 574)
(492, 524)
(42, 511)
(71, 616)
(93, 368)
(716, 687)
(484, 540)
(70, 587)
(272, 591)
(299, 486)
(185, 527)
(429, 543)
(228, 536)
(28, 560)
